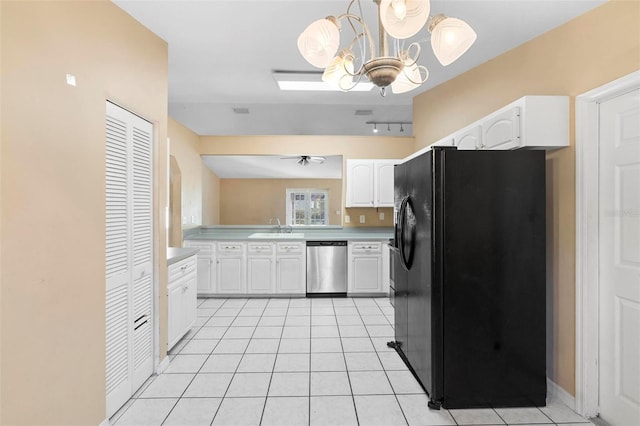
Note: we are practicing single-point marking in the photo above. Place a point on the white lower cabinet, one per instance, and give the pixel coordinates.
(231, 268)
(365, 267)
(182, 299)
(291, 264)
(206, 261)
(261, 268)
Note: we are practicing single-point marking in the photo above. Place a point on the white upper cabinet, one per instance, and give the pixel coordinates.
(369, 183)
(530, 122)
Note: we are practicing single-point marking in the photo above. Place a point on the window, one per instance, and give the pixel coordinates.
(307, 207)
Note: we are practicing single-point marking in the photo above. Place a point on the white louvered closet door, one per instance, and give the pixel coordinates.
(129, 230)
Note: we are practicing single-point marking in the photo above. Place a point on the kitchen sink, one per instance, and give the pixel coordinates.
(278, 236)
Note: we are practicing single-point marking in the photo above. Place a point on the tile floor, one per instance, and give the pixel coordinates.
(300, 362)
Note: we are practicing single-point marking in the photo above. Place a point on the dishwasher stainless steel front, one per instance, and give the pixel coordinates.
(326, 268)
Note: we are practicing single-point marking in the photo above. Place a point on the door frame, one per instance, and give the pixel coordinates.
(587, 240)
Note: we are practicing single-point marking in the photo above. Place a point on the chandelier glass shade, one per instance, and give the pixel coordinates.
(400, 19)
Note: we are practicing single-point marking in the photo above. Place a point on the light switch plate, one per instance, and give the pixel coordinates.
(381, 215)
(362, 218)
(347, 219)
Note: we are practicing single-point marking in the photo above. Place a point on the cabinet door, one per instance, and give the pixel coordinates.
(230, 275)
(291, 274)
(260, 275)
(383, 183)
(470, 139)
(206, 275)
(189, 303)
(175, 314)
(366, 274)
(359, 183)
(502, 131)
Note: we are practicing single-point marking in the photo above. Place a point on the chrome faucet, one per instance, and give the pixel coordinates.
(278, 220)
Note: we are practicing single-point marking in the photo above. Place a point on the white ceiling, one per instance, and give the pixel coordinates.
(272, 167)
(222, 54)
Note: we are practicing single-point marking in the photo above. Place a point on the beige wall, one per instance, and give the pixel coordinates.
(210, 197)
(256, 201)
(347, 146)
(598, 47)
(53, 199)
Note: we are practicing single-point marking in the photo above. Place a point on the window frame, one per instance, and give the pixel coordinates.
(307, 192)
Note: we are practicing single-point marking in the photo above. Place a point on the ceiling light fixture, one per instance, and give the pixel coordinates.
(388, 123)
(400, 19)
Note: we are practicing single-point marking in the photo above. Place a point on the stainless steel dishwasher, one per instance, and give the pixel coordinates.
(326, 268)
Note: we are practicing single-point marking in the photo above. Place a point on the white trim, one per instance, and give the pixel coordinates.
(162, 366)
(587, 178)
(105, 422)
(555, 392)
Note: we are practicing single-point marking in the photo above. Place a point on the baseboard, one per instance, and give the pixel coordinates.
(105, 422)
(554, 391)
(163, 365)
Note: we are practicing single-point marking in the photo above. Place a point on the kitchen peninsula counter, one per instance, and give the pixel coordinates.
(330, 233)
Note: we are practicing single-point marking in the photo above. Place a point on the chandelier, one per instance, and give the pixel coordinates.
(400, 19)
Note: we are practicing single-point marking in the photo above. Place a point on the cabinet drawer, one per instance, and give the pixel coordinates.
(227, 248)
(182, 269)
(207, 249)
(291, 247)
(366, 247)
(260, 248)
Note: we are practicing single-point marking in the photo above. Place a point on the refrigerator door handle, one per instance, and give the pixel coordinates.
(403, 221)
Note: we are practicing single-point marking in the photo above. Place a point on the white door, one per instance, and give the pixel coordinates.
(383, 183)
(619, 234)
(502, 131)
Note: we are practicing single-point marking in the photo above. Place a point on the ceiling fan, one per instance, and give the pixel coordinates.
(304, 160)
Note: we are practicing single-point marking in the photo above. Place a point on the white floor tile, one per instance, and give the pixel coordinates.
(362, 361)
(327, 362)
(418, 413)
(221, 363)
(560, 413)
(349, 320)
(324, 331)
(342, 302)
(333, 411)
(278, 303)
(237, 332)
(347, 310)
(271, 321)
(369, 310)
(209, 385)
(328, 344)
(479, 416)
(375, 320)
(286, 411)
(298, 321)
(295, 346)
(256, 303)
(379, 410)
(323, 320)
(251, 312)
(231, 346)
(292, 362)
(296, 333)
(236, 302)
(246, 321)
(392, 361)
(267, 333)
(322, 310)
(274, 312)
(227, 312)
(370, 383)
(205, 312)
(186, 364)
(353, 331)
(257, 363)
(299, 311)
(200, 321)
(299, 302)
(212, 303)
(210, 333)
(403, 382)
(517, 416)
(167, 386)
(148, 412)
(249, 384)
(194, 347)
(239, 412)
(330, 383)
(357, 344)
(380, 331)
(289, 384)
(380, 344)
(193, 412)
(219, 321)
(263, 346)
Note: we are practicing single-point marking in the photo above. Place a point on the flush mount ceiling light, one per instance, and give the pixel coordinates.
(400, 19)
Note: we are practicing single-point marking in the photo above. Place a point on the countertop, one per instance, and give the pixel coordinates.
(176, 254)
(228, 233)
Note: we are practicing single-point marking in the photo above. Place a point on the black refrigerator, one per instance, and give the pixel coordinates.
(469, 276)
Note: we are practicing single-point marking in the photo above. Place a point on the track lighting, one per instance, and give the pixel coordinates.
(388, 123)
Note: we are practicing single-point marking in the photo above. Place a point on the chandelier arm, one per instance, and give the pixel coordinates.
(365, 29)
(421, 69)
(353, 83)
(413, 58)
